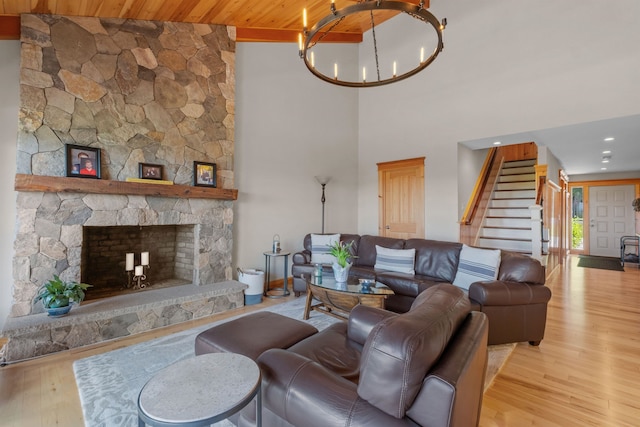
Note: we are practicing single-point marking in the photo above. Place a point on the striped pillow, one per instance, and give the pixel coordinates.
(320, 248)
(477, 265)
(400, 260)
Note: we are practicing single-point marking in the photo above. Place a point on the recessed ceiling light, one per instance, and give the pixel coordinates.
(606, 152)
(610, 138)
(497, 143)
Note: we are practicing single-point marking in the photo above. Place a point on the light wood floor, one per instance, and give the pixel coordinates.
(586, 372)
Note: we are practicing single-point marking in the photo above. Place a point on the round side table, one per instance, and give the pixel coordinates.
(276, 293)
(200, 391)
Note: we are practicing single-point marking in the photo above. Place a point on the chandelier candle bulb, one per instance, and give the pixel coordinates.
(144, 258)
(394, 68)
(304, 19)
(300, 43)
(364, 74)
(421, 55)
(129, 262)
(313, 60)
(335, 71)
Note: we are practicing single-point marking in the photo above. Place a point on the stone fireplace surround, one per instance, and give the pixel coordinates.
(140, 91)
(50, 232)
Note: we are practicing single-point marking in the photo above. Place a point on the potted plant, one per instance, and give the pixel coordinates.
(342, 253)
(57, 295)
(636, 204)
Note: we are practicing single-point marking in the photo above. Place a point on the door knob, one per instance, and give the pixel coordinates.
(387, 227)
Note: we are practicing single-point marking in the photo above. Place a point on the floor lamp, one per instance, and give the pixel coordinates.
(323, 180)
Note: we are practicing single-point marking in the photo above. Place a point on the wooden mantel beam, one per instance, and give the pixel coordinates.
(57, 184)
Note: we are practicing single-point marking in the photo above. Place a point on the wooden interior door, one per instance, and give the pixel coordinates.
(401, 198)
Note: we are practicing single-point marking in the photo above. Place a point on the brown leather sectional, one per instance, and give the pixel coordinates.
(515, 303)
(425, 367)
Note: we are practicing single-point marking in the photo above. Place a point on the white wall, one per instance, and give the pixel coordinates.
(10, 89)
(290, 127)
(507, 67)
(470, 164)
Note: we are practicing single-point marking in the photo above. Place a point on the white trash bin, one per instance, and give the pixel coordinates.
(255, 279)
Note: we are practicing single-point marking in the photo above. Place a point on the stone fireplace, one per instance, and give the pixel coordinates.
(141, 92)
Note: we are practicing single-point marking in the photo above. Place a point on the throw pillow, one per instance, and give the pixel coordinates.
(320, 248)
(476, 265)
(400, 260)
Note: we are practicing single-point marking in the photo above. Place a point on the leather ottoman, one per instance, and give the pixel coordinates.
(253, 334)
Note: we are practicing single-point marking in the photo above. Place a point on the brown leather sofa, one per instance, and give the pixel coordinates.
(425, 367)
(515, 303)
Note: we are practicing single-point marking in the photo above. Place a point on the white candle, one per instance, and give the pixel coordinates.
(394, 68)
(313, 60)
(304, 18)
(335, 71)
(139, 270)
(300, 42)
(421, 55)
(129, 262)
(364, 74)
(144, 258)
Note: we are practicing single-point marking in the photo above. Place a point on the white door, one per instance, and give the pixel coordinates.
(610, 217)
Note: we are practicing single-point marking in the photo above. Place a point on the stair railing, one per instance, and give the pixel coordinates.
(538, 239)
(476, 209)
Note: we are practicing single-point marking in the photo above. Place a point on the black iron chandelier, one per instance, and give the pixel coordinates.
(309, 39)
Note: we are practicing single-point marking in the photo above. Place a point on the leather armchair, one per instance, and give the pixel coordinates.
(423, 367)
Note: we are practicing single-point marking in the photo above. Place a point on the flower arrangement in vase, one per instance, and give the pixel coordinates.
(342, 253)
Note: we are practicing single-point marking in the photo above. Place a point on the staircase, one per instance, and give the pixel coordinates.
(507, 224)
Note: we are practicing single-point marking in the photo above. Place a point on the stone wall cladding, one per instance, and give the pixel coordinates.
(49, 236)
(141, 91)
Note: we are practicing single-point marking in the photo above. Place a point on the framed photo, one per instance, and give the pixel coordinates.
(83, 162)
(149, 171)
(204, 174)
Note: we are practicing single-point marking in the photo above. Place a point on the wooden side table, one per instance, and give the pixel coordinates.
(200, 391)
(276, 293)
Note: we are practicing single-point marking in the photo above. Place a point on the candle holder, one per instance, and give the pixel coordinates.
(139, 281)
(129, 283)
(135, 281)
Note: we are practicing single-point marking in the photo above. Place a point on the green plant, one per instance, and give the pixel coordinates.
(58, 293)
(342, 252)
(577, 233)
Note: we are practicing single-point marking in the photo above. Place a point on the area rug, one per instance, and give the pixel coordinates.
(600, 262)
(109, 383)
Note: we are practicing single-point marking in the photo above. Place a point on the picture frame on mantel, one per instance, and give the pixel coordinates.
(82, 161)
(149, 171)
(204, 174)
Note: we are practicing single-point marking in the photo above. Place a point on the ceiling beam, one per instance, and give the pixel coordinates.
(9, 27)
(276, 35)
(10, 30)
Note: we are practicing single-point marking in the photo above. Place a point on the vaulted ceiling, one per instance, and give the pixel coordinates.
(256, 20)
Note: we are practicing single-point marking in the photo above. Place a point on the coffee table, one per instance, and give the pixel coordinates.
(338, 298)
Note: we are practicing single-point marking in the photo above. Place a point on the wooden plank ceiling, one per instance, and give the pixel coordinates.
(256, 20)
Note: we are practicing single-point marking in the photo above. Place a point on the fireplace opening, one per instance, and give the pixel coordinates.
(104, 252)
